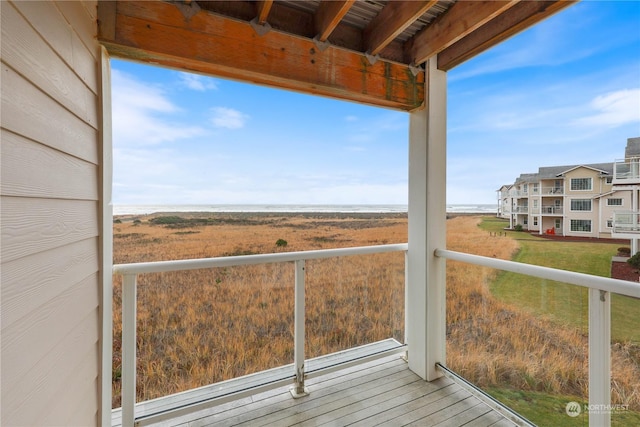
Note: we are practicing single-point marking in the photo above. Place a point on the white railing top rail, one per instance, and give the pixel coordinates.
(230, 261)
(621, 287)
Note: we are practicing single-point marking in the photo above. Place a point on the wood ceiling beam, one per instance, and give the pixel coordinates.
(392, 20)
(156, 32)
(264, 7)
(461, 19)
(520, 17)
(329, 15)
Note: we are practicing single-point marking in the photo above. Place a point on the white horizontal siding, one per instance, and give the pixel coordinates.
(50, 190)
(32, 225)
(31, 113)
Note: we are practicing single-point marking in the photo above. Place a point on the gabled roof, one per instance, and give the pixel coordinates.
(550, 172)
(603, 168)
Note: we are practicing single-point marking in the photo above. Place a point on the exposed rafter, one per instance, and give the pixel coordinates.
(264, 7)
(329, 15)
(391, 21)
(157, 32)
(460, 20)
(514, 20)
(364, 51)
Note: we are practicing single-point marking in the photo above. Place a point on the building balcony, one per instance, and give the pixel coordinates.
(626, 224)
(551, 191)
(355, 385)
(551, 210)
(520, 210)
(626, 172)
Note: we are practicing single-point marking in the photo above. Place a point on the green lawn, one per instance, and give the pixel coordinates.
(567, 304)
(550, 410)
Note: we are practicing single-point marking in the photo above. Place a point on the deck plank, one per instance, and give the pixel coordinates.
(488, 419)
(378, 392)
(419, 408)
(461, 415)
(272, 401)
(319, 406)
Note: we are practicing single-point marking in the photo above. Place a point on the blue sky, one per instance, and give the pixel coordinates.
(564, 92)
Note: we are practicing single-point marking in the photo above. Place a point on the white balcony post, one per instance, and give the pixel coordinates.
(298, 390)
(128, 390)
(106, 274)
(425, 303)
(599, 357)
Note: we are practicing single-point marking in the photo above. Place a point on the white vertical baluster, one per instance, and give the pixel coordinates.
(128, 391)
(599, 357)
(298, 389)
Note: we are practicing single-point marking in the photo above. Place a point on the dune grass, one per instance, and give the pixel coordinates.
(201, 327)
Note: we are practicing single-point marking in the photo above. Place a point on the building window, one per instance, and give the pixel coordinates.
(558, 224)
(581, 184)
(535, 203)
(535, 188)
(581, 204)
(609, 223)
(535, 220)
(525, 221)
(608, 180)
(583, 225)
(614, 202)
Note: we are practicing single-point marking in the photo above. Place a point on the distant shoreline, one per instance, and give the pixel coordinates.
(270, 214)
(451, 209)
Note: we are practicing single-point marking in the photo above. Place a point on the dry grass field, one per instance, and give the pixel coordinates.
(200, 327)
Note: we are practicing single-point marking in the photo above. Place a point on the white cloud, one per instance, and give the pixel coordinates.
(351, 119)
(143, 114)
(197, 82)
(228, 118)
(614, 109)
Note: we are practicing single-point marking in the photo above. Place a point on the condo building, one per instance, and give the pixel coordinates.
(586, 200)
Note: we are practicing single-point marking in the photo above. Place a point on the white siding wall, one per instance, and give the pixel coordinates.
(50, 187)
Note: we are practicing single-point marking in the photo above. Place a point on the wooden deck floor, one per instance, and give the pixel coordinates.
(382, 392)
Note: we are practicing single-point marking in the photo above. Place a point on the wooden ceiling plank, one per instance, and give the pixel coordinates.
(520, 17)
(156, 32)
(392, 20)
(264, 7)
(329, 15)
(460, 20)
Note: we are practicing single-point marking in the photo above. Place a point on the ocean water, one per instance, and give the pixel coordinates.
(148, 209)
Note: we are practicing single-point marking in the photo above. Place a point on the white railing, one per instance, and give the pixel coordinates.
(521, 209)
(600, 290)
(552, 190)
(130, 273)
(626, 171)
(626, 222)
(551, 210)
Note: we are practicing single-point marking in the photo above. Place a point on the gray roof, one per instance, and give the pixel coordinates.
(551, 172)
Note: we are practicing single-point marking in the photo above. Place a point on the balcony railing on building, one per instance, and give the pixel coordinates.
(626, 172)
(520, 209)
(626, 223)
(551, 210)
(552, 191)
(600, 289)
